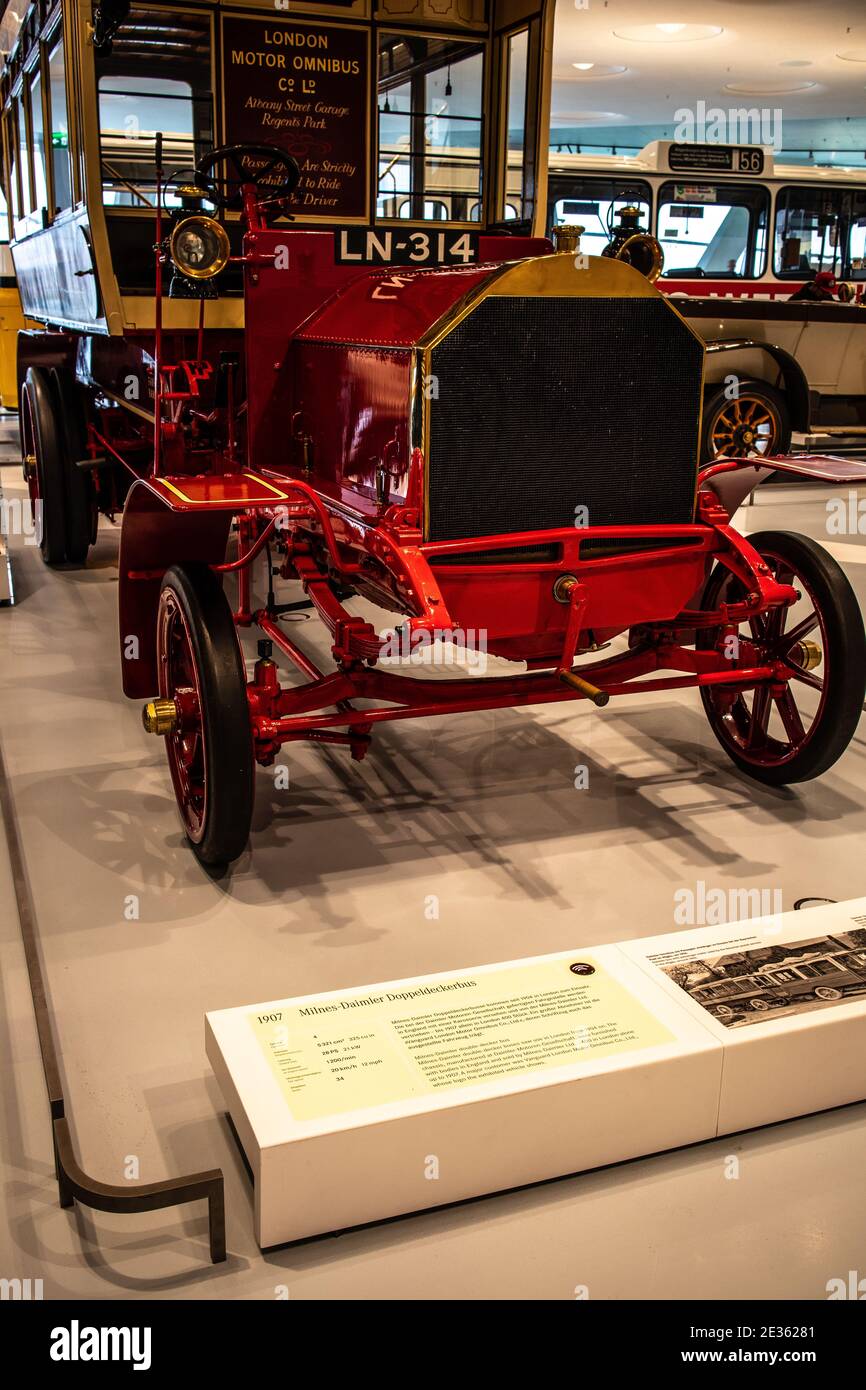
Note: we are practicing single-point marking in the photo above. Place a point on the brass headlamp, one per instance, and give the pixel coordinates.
(199, 247)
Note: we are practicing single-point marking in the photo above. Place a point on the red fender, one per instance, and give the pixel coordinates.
(153, 537)
(732, 479)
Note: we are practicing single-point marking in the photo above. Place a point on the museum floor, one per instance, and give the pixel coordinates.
(480, 810)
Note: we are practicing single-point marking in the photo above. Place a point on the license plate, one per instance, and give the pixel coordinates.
(419, 246)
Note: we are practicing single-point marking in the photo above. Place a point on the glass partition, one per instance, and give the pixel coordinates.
(430, 97)
(515, 131)
(12, 157)
(37, 121)
(158, 77)
(24, 156)
(60, 161)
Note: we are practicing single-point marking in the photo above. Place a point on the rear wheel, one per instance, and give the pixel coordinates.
(80, 501)
(43, 449)
(797, 728)
(208, 741)
(755, 422)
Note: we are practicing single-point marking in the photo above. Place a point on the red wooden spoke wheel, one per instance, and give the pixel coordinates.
(797, 728)
(203, 700)
(755, 421)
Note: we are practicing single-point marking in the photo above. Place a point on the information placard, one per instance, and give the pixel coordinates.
(377, 1046)
(303, 86)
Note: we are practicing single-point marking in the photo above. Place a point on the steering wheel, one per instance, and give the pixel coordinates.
(226, 189)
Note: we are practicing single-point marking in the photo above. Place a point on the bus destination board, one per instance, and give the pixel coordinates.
(716, 159)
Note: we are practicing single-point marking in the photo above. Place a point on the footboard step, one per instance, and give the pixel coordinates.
(365, 1104)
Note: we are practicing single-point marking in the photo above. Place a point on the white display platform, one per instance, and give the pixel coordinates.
(363, 1104)
(7, 596)
(6, 591)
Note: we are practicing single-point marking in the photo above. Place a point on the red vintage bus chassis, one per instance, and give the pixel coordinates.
(702, 606)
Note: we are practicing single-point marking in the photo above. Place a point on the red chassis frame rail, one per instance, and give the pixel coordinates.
(326, 545)
(323, 709)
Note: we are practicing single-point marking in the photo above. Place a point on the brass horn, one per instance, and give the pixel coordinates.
(636, 247)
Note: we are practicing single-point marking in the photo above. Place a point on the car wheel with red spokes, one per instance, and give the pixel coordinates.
(203, 713)
(798, 727)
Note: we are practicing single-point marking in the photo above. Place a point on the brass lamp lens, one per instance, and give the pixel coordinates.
(200, 247)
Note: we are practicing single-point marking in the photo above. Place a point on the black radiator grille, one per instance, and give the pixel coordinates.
(544, 406)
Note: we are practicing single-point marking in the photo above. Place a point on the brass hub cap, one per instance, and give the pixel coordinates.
(160, 717)
(806, 655)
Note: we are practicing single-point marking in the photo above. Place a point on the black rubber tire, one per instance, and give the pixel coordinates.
(39, 412)
(79, 486)
(846, 641)
(716, 400)
(227, 735)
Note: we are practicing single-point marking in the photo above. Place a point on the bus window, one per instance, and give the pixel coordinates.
(759, 253)
(595, 204)
(12, 157)
(717, 230)
(37, 123)
(511, 213)
(858, 250)
(809, 234)
(395, 129)
(452, 130)
(60, 162)
(825, 967)
(134, 104)
(24, 156)
(434, 210)
(515, 128)
(430, 137)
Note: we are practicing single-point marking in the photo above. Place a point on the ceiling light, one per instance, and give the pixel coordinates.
(586, 117)
(853, 55)
(594, 70)
(668, 33)
(767, 89)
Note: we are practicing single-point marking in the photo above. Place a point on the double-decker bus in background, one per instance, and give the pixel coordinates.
(744, 238)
